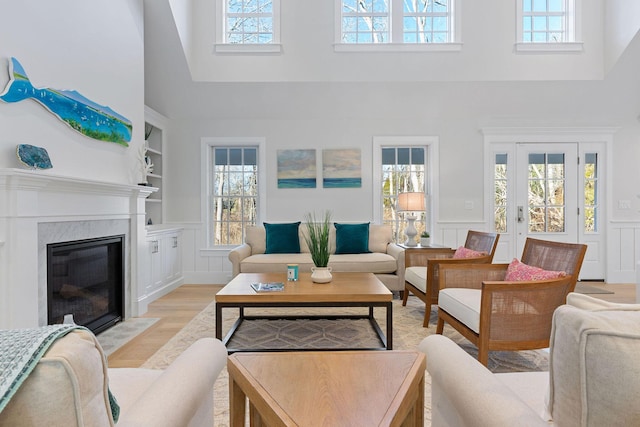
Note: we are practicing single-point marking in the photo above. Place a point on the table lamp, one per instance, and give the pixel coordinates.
(411, 202)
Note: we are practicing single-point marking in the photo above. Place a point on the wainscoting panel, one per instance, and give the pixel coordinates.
(212, 266)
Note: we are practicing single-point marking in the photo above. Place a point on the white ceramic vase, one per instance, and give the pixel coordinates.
(425, 241)
(321, 274)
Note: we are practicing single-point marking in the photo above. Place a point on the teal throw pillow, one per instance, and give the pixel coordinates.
(282, 238)
(352, 238)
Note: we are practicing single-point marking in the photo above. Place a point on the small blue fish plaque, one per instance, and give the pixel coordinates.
(33, 157)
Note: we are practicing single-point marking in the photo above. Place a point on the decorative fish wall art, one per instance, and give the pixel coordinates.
(81, 114)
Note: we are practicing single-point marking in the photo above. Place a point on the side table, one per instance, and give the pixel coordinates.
(348, 388)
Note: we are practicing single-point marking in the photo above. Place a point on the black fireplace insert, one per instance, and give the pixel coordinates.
(85, 278)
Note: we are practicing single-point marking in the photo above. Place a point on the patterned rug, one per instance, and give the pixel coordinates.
(407, 334)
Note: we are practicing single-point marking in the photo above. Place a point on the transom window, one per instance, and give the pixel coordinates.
(548, 25)
(396, 21)
(248, 26)
(544, 21)
(249, 21)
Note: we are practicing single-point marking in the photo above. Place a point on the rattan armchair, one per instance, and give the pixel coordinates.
(508, 316)
(422, 281)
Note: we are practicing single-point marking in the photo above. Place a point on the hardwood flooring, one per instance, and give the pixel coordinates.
(177, 308)
(174, 310)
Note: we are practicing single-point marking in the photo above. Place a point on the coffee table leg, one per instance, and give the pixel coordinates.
(218, 321)
(389, 326)
(237, 402)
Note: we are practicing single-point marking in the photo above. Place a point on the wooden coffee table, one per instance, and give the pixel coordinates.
(345, 290)
(352, 388)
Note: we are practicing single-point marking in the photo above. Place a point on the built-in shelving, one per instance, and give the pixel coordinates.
(155, 128)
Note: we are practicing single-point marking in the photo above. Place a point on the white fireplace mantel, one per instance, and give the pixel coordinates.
(29, 199)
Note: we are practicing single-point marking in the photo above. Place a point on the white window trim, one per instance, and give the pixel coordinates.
(221, 46)
(455, 45)
(432, 183)
(207, 144)
(573, 32)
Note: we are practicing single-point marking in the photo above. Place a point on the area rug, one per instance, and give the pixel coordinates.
(123, 332)
(407, 333)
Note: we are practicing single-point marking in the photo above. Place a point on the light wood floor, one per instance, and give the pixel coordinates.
(177, 308)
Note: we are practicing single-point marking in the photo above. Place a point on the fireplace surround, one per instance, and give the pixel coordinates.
(38, 208)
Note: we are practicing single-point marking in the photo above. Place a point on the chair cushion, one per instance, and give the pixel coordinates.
(282, 238)
(417, 276)
(519, 272)
(463, 304)
(594, 367)
(463, 252)
(352, 238)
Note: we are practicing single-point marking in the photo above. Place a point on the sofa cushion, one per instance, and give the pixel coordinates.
(275, 263)
(282, 238)
(463, 304)
(463, 252)
(379, 237)
(365, 263)
(256, 237)
(587, 302)
(594, 367)
(417, 276)
(352, 238)
(519, 272)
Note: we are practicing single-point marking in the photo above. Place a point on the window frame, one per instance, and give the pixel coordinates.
(573, 31)
(396, 16)
(432, 173)
(208, 145)
(223, 46)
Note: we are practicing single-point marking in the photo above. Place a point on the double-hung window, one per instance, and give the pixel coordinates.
(396, 23)
(405, 165)
(548, 25)
(248, 25)
(231, 188)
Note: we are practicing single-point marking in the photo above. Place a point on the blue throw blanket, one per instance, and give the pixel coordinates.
(20, 351)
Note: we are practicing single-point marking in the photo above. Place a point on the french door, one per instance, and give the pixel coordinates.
(546, 193)
(550, 191)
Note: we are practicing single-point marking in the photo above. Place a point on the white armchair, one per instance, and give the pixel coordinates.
(68, 387)
(594, 377)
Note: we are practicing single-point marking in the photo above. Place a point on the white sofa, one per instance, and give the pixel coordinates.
(386, 259)
(68, 387)
(594, 376)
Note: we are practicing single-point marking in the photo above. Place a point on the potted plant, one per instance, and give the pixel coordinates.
(317, 239)
(424, 239)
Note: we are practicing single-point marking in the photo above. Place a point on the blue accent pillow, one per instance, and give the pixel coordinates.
(352, 238)
(282, 238)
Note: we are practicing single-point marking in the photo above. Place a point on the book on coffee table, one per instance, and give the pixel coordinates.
(268, 287)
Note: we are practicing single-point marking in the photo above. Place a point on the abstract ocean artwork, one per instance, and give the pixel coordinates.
(81, 114)
(341, 168)
(33, 157)
(296, 168)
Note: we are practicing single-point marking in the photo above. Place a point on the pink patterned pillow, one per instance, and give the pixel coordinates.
(463, 252)
(519, 272)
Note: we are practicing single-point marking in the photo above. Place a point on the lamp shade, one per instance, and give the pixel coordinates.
(413, 201)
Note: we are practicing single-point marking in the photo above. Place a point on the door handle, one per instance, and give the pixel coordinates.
(520, 213)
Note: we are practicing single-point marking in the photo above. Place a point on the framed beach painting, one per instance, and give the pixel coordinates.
(341, 168)
(296, 168)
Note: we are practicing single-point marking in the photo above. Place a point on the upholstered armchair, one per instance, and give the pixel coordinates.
(423, 280)
(495, 314)
(69, 387)
(592, 378)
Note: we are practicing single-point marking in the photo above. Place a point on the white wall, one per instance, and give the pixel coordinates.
(349, 98)
(92, 46)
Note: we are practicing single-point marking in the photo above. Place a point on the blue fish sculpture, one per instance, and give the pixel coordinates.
(81, 114)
